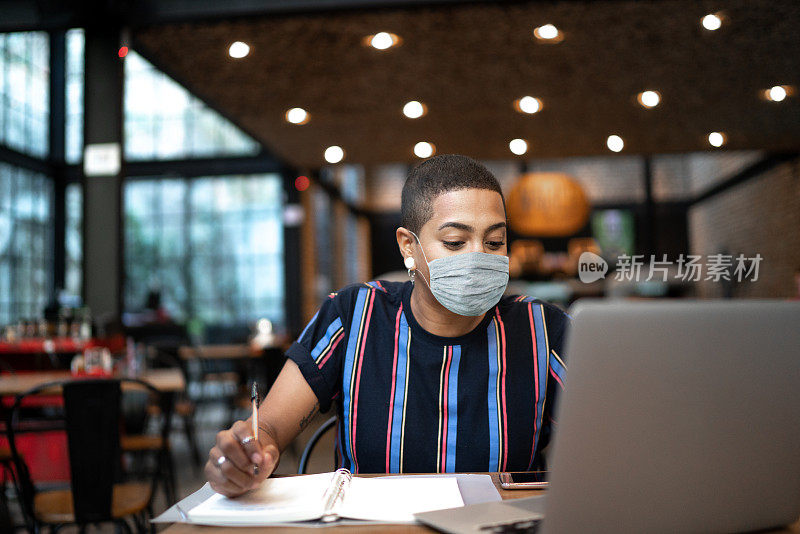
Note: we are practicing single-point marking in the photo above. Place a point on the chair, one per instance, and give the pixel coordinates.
(312, 443)
(162, 343)
(7, 471)
(38, 419)
(97, 493)
(136, 444)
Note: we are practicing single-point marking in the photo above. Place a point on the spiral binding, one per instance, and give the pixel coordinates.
(335, 493)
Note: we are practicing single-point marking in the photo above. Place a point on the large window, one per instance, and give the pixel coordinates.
(25, 243)
(164, 121)
(24, 91)
(352, 187)
(346, 260)
(323, 232)
(74, 84)
(213, 247)
(25, 197)
(73, 236)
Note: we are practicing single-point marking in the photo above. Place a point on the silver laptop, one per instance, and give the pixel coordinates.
(678, 416)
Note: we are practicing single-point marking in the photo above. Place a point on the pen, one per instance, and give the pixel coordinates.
(254, 402)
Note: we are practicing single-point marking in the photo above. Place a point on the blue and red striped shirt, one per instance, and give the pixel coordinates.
(414, 402)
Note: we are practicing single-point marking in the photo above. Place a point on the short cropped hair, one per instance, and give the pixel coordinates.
(437, 175)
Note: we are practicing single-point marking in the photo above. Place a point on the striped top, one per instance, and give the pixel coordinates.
(410, 401)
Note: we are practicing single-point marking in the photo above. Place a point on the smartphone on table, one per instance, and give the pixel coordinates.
(524, 480)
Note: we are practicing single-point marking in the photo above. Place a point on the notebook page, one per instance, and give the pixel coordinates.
(276, 500)
(397, 500)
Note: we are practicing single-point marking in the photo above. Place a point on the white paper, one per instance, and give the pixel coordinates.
(276, 500)
(300, 498)
(397, 500)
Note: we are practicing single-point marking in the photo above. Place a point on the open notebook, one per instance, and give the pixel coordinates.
(330, 496)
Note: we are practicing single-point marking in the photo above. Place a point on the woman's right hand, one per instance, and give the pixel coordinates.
(283, 414)
(236, 474)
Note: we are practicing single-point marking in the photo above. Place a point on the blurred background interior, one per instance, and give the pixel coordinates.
(181, 183)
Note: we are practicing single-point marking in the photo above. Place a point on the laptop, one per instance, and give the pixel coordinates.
(678, 416)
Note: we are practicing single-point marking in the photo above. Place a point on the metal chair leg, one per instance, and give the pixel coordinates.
(137, 522)
(122, 527)
(169, 478)
(143, 524)
(191, 437)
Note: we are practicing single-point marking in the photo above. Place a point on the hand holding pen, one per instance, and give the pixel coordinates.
(240, 461)
(254, 419)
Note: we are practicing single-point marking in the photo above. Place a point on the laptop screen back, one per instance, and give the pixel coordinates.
(678, 416)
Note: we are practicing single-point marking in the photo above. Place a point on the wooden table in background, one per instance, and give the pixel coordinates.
(218, 352)
(166, 380)
(235, 351)
(241, 363)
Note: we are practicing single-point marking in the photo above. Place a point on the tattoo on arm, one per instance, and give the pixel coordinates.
(309, 416)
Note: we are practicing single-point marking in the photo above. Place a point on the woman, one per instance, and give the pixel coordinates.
(438, 374)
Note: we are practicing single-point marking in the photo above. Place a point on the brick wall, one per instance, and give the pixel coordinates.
(604, 179)
(706, 170)
(760, 216)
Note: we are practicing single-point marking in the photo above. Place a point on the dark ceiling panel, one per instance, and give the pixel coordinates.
(161, 11)
(468, 63)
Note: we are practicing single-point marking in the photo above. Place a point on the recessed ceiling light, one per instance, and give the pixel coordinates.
(297, 116)
(548, 33)
(649, 99)
(334, 154)
(423, 149)
(528, 104)
(518, 146)
(615, 143)
(711, 22)
(414, 109)
(238, 50)
(382, 40)
(717, 139)
(777, 93)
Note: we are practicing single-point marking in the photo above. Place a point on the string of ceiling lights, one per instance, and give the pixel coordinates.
(529, 105)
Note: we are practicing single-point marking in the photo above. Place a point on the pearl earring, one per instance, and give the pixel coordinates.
(410, 264)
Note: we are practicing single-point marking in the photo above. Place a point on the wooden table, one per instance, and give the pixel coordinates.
(218, 352)
(233, 351)
(183, 528)
(241, 363)
(166, 380)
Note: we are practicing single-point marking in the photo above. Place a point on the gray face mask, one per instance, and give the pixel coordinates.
(469, 283)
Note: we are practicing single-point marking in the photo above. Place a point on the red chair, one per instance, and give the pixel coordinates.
(98, 491)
